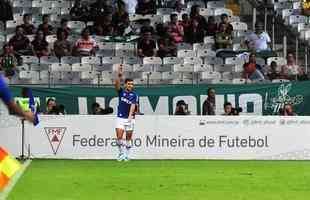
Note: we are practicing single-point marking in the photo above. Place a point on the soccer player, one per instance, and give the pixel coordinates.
(125, 121)
(6, 97)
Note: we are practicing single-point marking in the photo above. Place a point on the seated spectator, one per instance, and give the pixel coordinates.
(51, 107)
(99, 9)
(97, 110)
(85, 46)
(120, 18)
(79, 12)
(302, 76)
(272, 73)
(64, 26)
(146, 7)
(176, 29)
(166, 47)
(186, 22)
(223, 40)
(62, 47)
(208, 107)
(28, 27)
(6, 11)
(287, 110)
(195, 13)
(96, 28)
(258, 40)
(291, 69)
(179, 6)
(107, 25)
(130, 6)
(194, 33)
(250, 70)
(40, 45)
(146, 46)
(225, 21)
(181, 108)
(211, 26)
(8, 61)
(45, 26)
(228, 109)
(146, 27)
(20, 42)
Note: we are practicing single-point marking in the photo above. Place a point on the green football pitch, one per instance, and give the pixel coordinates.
(163, 180)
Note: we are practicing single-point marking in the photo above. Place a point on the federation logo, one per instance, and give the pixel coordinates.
(55, 136)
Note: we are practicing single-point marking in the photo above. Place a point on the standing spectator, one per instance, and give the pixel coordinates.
(225, 21)
(146, 7)
(130, 6)
(194, 33)
(223, 39)
(64, 26)
(146, 46)
(195, 9)
(40, 45)
(208, 107)
(250, 70)
(120, 18)
(291, 69)
(176, 28)
(272, 73)
(20, 42)
(6, 11)
(85, 46)
(8, 61)
(166, 47)
(258, 40)
(211, 26)
(62, 47)
(45, 27)
(28, 27)
(79, 12)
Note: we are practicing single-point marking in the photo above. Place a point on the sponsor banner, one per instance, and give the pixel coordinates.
(254, 99)
(173, 137)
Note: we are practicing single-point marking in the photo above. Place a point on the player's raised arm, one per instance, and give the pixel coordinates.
(119, 76)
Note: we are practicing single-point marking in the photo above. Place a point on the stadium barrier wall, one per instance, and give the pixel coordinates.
(166, 137)
(254, 99)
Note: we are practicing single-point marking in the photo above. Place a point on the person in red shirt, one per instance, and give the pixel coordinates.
(177, 31)
(85, 46)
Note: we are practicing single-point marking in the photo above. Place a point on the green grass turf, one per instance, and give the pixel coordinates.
(164, 180)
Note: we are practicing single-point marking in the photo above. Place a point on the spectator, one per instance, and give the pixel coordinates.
(51, 107)
(258, 40)
(28, 27)
(146, 45)
(45, 27)
(166, 47)
(107, 25)
(225, 21)
(186, 22)
(130, 6)
(120, 18)
(97, 28)
(250, 70)
(227, 109)
(79, 12)
(6, 11)
(291, 69)
(302, 76)
(287, 110)
(62, 47)
(97, 110)
(272, 73)
(64, 27)
(99, 9)
(8, 61)
(195, 9)
(176, 28)
(19, 42)
(223, 40)
(194, 33)
(252, 60)
(179, 6)
(85, 46)
(146, 27)
(62, 110)
(181, 108)
(208, 107)
(211, 26)
(146, 7)
(40, 45)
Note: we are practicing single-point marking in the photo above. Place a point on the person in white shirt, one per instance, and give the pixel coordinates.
(258, 40)
(291, 69)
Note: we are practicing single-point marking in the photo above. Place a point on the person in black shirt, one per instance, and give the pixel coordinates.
(28, 27)
(146, 46)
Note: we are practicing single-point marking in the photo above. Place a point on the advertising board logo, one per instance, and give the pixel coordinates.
(55, 136)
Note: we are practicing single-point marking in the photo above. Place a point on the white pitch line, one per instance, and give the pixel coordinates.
(5, 193)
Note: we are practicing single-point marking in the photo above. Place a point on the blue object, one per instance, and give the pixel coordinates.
(32, 107)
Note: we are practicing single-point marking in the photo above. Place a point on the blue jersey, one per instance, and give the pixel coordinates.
(125, 100)
(5, 93)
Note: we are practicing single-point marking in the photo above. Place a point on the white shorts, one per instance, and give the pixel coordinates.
(123, 123)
